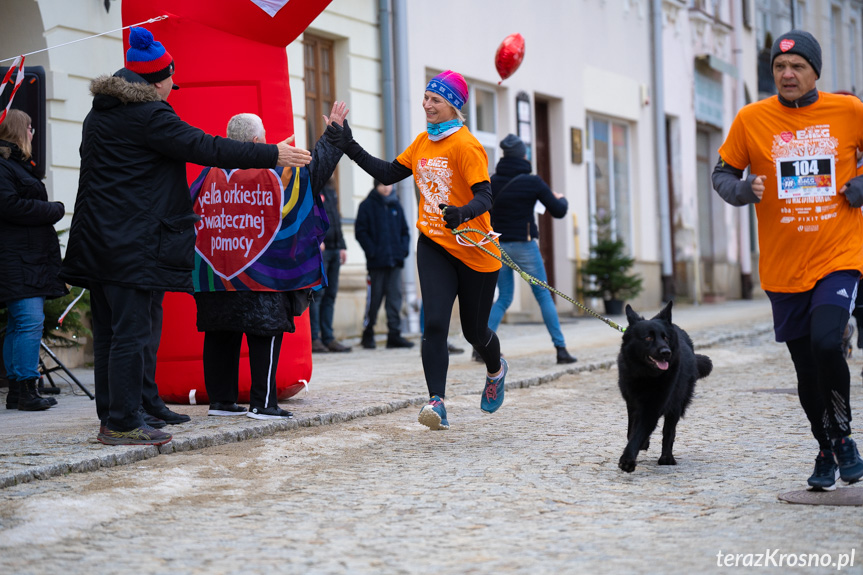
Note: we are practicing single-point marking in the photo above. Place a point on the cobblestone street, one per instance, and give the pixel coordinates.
(533, 488)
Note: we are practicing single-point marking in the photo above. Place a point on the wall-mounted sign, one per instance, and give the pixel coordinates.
(575, 135)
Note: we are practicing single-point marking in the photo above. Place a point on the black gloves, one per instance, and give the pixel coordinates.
(854, 192)
(339, 136)
(454, 216)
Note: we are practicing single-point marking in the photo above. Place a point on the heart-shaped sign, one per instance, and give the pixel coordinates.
(786, 136)
(423, 162)
(241, 213)
(786, 44)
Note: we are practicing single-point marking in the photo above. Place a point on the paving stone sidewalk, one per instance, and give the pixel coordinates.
(343, 387)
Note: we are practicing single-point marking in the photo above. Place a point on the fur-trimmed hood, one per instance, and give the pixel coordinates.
(7, 149)
(123, 90)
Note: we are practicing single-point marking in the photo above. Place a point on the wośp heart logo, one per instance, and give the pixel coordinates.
(241, 213)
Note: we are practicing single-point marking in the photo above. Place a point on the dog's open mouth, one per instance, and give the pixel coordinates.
(663, 365)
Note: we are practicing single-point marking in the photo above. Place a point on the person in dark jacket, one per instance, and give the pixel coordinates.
(322, 308)
(29, 261)
(382, 231)
(516, 192)
(132, 229)
(263, 316)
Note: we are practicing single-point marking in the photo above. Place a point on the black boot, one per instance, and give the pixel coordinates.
(563, 356)
(395, 339)
(368, 341)
(12, 396)
(28, 399)
(39, 387)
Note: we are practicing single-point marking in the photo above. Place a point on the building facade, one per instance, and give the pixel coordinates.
(600, 129)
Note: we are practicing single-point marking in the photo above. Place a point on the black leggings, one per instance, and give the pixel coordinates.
(823, 380)
(443, 277)
(222, 366)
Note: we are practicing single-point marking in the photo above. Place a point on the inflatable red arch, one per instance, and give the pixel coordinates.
(230, 58)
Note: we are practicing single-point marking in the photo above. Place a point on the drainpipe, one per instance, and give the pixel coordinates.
(401, 140)
(743, 236)
(661, 154)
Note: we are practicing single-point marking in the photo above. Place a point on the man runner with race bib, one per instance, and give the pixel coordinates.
(800, 147)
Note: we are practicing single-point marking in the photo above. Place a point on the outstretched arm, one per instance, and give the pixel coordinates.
(325, 156)
(339, 135)
(291, 157)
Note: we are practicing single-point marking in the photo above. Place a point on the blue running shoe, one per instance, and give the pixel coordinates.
(826, 472)
(433, 414)
(850, 464)
(492, 395)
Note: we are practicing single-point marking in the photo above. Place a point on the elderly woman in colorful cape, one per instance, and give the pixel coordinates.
(257, 258)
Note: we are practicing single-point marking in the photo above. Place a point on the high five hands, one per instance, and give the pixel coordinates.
(291, 157)
(337, 114)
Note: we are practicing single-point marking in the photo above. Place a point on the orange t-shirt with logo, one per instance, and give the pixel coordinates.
(806, 228)
(444, 171)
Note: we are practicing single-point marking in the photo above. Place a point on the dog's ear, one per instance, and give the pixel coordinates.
(665, 313)
(632, 316)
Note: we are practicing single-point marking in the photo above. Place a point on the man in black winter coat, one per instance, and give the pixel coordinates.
(382, 231)
(516, 192)
(132, 235)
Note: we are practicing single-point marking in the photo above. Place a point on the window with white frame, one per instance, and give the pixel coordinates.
(609, 187)
(481, 115)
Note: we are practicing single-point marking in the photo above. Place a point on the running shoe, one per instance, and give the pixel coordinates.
(826, 472)
(227, 409)
(492, 395)
(274, 412)
(433, 414)
(850, 463)
(144, 435)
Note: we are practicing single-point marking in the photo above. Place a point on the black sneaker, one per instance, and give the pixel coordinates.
(274, 412)
(170, 417)
(152, 421)
(144, 435)
(826, 472)
(850, 463)
(217, 408)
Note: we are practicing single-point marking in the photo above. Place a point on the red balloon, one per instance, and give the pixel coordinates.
(509, 55)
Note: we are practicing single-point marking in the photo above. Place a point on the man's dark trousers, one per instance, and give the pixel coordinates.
(150, 391)
(384, 282)
(122, 329)
(321, 312)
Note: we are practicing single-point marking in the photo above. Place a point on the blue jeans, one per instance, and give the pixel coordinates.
(528, 258)
(23, 338)
(322, 308)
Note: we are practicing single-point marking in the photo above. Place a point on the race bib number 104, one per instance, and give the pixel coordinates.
(806, 177)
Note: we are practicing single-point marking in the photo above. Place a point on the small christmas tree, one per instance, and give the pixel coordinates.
(609, 267)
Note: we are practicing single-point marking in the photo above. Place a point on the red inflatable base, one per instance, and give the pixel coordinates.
(180, 367)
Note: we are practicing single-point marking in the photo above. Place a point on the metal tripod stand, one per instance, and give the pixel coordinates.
(46, 371)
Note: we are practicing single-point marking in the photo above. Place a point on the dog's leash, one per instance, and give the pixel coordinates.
(506, 260)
